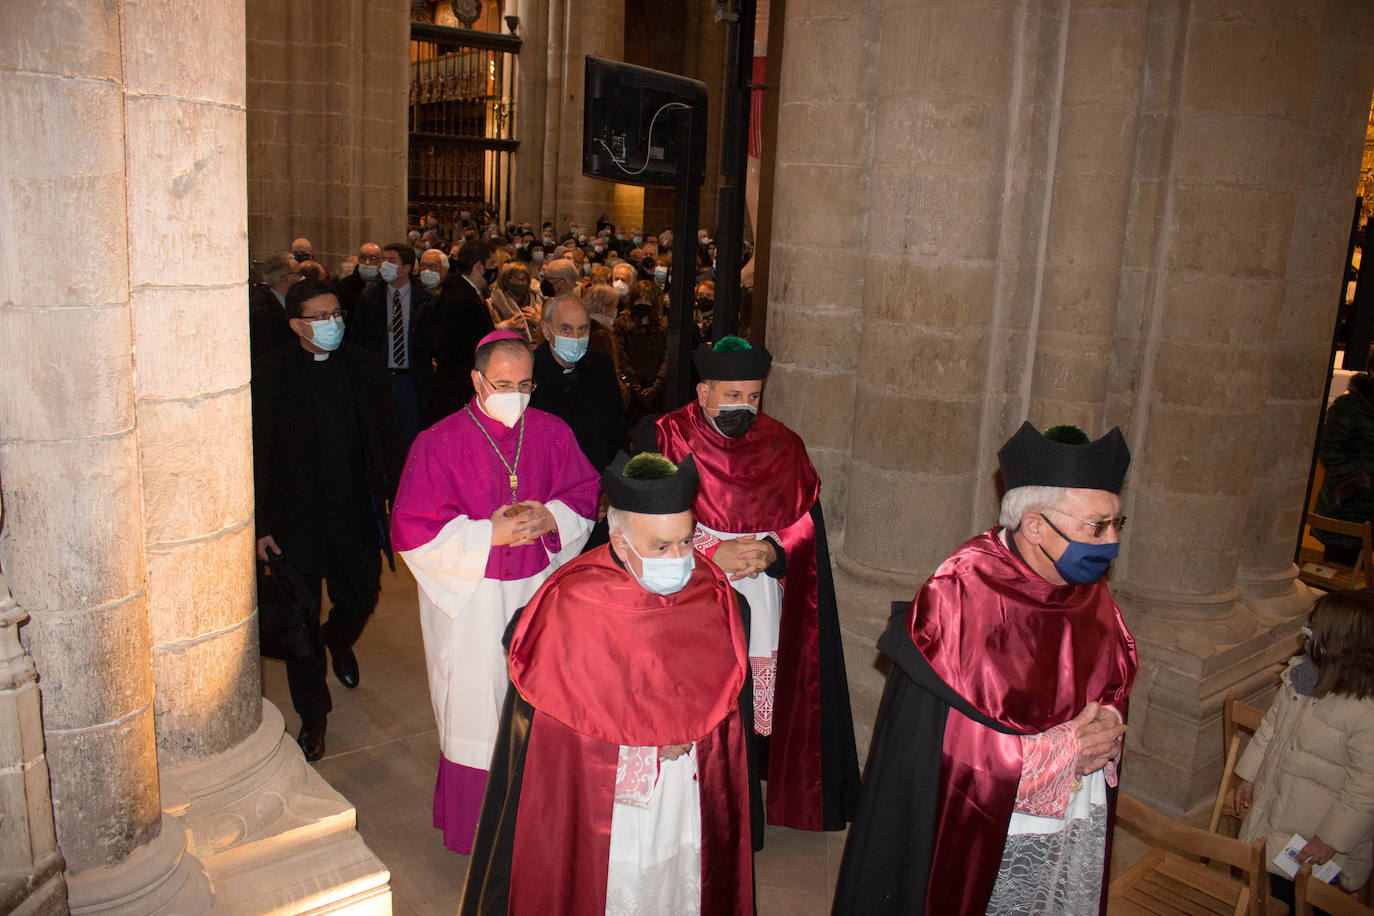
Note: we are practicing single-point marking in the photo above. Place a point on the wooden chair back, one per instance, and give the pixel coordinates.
(1170, 880)
(1237, 718)
(1314, 892)
(1364, 566)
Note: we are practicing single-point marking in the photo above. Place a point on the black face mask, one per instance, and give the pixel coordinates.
(546, 288)
(735, 423)
(489, 276)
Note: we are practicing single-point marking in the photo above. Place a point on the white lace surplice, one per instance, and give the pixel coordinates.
(655, 861)
(1053, 865)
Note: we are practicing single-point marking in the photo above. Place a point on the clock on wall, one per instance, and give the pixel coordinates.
(467, 11)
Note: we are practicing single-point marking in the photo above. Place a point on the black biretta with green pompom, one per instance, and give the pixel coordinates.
(732, 359)
(1063, 457)
(650, 484)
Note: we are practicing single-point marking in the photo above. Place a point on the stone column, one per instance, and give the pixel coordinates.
(184, 123)
(595, 27)
(327, 125)
(30, 865)
(1251, 174)
(531, 102)
(820, 228)
(1102, 213)
(703, 58)
(73, 548)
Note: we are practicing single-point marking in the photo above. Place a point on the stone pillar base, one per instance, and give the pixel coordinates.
(160, 878)
(1190, 658)
(271, 833)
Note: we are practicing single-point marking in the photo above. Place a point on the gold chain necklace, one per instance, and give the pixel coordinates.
(516, 508)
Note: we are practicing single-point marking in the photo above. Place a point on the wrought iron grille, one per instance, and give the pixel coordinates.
(462, 123)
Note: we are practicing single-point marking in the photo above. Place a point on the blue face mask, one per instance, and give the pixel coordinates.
(570, 349)
(1082, 563)
(327, 334)
(664, 575)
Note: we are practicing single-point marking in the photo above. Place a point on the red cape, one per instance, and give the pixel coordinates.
(604, 663)
(1027, 654)
(764, 481)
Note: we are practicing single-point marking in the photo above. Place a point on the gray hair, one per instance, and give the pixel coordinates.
(278, 266)
(1019, 501)
(618, 521)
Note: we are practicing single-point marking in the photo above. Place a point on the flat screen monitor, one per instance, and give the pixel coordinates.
(631, 124)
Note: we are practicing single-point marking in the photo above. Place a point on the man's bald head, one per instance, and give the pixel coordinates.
(301, 249)
(562, 274)
(566, 312)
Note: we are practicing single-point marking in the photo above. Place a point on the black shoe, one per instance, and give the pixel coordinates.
(345, 666)
(311, 738)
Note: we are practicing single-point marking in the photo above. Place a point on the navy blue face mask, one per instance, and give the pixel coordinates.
(1081, 563)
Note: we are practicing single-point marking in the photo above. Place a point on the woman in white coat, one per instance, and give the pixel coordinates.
(1310, 768)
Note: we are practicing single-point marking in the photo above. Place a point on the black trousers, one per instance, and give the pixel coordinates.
(352, 578)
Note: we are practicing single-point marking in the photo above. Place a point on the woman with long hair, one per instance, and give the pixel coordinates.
(1310, 768)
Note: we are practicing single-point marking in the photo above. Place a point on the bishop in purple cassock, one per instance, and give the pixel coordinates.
(492, 500)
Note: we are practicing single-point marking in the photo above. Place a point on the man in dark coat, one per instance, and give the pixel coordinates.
(267, 325)
(393, 319)
(326, 459)
(461, 320)
(577, 384)
(349, 289)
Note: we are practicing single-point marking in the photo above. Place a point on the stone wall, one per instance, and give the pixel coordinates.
(327, 98)
(1100, 213)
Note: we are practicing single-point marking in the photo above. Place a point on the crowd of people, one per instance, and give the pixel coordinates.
(628, 609)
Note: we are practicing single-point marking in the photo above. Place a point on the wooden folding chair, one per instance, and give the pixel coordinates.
(1363, 568)
(1167, 880)
(1314, 892)
(1237, 718)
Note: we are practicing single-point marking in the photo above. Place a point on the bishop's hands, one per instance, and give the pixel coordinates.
(744, 557)
(1100, 734)
(521, 523)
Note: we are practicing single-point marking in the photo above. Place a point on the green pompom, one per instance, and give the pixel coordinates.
(731, 345)
(648, 466)
(1068, 435)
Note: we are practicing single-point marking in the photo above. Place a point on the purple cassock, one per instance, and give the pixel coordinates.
(457, 476)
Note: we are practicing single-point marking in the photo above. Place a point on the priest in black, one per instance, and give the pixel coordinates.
(326, 459)
(578, 384)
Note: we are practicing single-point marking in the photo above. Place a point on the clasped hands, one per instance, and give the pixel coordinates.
(528, 526)
(744, 557)
(1100, 734)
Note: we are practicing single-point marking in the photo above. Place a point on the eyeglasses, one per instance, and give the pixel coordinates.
(1099, 527)
(525, 387)
(324, 316)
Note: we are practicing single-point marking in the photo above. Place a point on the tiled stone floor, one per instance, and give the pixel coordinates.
(382, 753)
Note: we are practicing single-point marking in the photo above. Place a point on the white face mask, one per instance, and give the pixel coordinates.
(622, 288)
(506, 406)
(367, 271)
(389, 271)
(430, 278)
(664, 575)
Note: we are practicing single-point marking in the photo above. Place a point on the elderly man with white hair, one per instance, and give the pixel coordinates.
(990, 775)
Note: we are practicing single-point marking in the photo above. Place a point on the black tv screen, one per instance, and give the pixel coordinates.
(631, 120)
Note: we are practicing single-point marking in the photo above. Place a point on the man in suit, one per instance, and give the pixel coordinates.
(349, 289)
(393, 320)
(461, 319)
(267, 325)
(326, 459)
